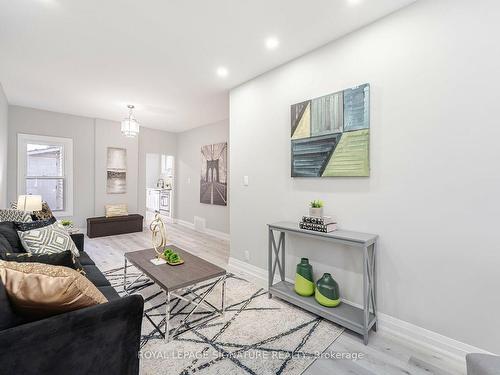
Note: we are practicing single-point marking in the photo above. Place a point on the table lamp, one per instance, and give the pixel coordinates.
(29, 203)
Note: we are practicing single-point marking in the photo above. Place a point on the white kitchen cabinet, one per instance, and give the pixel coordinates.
(153, 200)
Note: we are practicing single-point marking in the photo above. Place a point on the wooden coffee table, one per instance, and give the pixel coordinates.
(172, 279)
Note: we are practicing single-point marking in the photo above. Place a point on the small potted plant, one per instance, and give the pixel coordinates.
(316, 208)
(68, 225)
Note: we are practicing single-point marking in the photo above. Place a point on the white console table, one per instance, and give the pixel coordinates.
(360, 320)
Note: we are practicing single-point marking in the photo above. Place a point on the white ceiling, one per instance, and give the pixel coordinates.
(93, 57)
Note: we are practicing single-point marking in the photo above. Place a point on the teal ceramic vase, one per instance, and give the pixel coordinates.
(327, 291)
(304, 283)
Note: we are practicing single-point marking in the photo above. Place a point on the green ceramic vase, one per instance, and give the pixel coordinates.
(304, 283)
(327, 291)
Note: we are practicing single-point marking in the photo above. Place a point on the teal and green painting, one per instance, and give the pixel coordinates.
(331, 135)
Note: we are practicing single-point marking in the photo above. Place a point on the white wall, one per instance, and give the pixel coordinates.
(188, 166)
(152, 141)
(108, 134)
(153, 169)
(91, 138)
(4, 113)
(433, 191)
(80, 129)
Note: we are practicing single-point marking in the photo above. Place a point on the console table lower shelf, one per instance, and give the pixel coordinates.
(348, 316)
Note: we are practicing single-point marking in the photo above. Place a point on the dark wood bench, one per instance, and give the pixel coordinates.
(110, 226)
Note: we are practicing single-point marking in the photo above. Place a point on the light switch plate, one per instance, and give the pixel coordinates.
(245, 180)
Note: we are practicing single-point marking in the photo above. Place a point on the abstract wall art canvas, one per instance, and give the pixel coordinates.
(331, 135)
(213, 181)
(116, 169)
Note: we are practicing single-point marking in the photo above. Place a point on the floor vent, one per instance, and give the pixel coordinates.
(199, 224)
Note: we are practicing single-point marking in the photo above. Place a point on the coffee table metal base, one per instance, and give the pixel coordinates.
(198, 300)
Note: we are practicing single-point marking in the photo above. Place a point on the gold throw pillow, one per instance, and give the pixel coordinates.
(41, 290)
(113, 210)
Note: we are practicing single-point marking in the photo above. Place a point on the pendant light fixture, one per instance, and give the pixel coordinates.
(130, 126)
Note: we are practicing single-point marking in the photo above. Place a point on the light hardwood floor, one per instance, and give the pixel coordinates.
(383, 356)
(107, 252)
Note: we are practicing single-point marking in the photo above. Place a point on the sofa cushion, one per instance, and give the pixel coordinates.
(109, 292)
(95, 276)
(8, 317)
(4, 245)
(85, 260)
(79, 240)
(8, 230)
(48, 240)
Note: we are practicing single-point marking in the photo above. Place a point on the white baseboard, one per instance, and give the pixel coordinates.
(432, 342)
(210, 232)
(252, 273)
(184, 223)
(216, 233)
(422, 339)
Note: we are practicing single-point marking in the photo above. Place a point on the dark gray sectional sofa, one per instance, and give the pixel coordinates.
(482, 364)
(102, 339)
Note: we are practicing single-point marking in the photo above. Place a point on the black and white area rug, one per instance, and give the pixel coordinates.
(256, 335)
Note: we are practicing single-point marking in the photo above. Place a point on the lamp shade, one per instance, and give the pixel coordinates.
(130, 127)
(29, 202)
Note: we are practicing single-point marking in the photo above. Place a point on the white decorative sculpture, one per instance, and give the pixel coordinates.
(158, 234)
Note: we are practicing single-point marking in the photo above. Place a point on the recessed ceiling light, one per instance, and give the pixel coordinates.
(222, 71)
(49, 2)
(272, 42)
(353, 2)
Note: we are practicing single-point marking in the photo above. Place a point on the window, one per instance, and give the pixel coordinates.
(45, 167)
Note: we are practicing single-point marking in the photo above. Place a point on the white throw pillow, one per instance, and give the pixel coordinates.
(48, 240)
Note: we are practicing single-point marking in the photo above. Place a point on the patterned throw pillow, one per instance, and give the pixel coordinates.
(15, 215)
(23, 227)
(66, 259)
(44, 214)
(48, 240)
